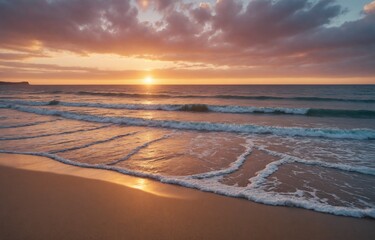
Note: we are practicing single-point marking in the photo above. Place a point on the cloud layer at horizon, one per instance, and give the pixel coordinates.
(244, 39)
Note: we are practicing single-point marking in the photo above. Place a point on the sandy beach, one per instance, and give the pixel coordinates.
(44, 199)
(159, 119)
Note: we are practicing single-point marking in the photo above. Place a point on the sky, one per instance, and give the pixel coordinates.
(187, 42)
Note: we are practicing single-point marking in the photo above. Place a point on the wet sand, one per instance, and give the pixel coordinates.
(44, 199)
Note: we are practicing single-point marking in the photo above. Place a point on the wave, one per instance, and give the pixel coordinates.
(359, 134)
(341, 113)
(52, 134)
(296, 98)
(213, 185)
(245, 97)
(167, 107)
(286, 158)
(93, 143)
(234, 166)
(29, 124)
(344, 113)
(139, 148)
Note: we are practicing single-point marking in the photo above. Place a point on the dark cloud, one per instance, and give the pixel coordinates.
(162, 5)
(266, 20)
(202, 13)
(19, 56)
(81, 25)
(261, 37)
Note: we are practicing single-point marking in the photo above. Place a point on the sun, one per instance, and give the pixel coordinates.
(148, 80)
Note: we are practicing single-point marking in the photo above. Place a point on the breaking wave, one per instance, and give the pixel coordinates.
(360, 134)
(249, 97)
(209, 108)
(211, 184)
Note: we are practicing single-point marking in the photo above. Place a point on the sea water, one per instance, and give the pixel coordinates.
(311, 147)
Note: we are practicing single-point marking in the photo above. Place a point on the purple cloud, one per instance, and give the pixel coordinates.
(262, 37)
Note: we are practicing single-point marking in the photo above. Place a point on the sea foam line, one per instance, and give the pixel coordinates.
(313, 112)
(168, 107)
(209, 185)
(262, 175)
(285, 158)
(234, 166)
(137, 149)
(359, 134)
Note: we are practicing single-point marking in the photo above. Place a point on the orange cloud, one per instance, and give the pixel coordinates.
(262, 38)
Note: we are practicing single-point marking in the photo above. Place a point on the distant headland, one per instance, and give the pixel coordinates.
(14, 83)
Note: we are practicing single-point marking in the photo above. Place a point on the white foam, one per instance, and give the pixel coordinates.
(234, 166)
(213, 185)
(338, 166)
(360, 134)
(271, 168)
(169, 107)
(250, 109)
(137, 149)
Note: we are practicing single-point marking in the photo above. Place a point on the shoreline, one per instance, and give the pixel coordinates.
(45, 199)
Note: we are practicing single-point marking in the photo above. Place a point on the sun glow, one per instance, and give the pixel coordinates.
(148, 80)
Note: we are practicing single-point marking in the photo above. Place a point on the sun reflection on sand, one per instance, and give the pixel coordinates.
(140, 183)
(43, 164)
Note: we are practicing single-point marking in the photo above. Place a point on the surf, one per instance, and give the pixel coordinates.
(311, 112)
(358, 134)
(217, 96)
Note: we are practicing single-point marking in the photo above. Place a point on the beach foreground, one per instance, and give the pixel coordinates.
(44, 199)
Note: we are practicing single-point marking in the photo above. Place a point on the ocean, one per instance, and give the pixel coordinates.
(310, 147)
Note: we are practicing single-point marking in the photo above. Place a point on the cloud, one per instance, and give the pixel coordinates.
(260, 37)
(266, 20)
(80, 26)
(159, 5)
(202, 13)
(369, 8)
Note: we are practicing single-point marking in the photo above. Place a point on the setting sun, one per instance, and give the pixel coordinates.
(148, 80)
(204, 119)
